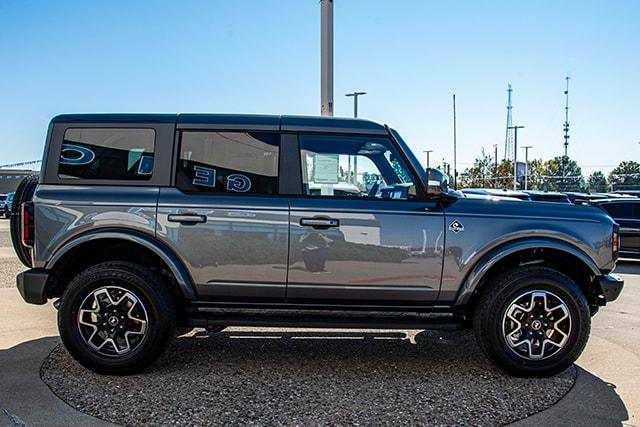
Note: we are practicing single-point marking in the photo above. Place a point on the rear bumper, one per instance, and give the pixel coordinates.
(611, 286)
(31, 285)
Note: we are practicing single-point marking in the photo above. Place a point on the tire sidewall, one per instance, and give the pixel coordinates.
(86, 283)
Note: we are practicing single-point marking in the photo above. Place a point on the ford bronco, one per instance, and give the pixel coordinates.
(140, 225)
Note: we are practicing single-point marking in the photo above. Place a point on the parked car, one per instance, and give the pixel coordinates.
(9, 200)
(633, 193)
(4, 210)
(497, 192)
(581, 198)
(625, 212)
(548, 196)
(139, 224)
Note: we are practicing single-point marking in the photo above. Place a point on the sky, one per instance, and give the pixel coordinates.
(260, 56)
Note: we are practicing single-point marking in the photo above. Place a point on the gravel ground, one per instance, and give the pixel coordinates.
(285, 377)
(9, 264)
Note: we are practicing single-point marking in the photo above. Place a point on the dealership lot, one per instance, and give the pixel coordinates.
(605, 393)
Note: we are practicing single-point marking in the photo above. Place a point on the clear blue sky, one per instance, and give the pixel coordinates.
(262, 56)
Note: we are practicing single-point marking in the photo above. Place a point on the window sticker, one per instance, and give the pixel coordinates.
(76, 155)
(238, 183)
(325, 168)
(145, 167)
(205, 177)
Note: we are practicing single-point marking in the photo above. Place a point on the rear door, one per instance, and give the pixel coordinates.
(225, 216)
(360, 232)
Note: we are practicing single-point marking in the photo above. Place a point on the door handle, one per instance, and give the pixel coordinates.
(321, 223)
(187, 218)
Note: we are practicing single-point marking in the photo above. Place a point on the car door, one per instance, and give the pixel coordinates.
(225, 217)
(360, 233)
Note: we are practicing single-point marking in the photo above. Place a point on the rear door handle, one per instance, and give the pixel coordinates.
(322, 223)
(187, 218)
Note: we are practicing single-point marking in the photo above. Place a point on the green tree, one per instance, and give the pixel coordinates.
(626, 176)
(562, 174)
(478, 175)
(597, 182)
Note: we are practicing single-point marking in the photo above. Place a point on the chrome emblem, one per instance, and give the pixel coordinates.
(456, 226)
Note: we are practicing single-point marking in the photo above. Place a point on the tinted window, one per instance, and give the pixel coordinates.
(118, 154)
(619, 210)
(229, 162)
(344, 166)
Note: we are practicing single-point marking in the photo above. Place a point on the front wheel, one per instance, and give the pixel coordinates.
(532, 321)
(116, 317)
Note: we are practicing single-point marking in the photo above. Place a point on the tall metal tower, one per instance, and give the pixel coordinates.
(508, 138)
(566, 116)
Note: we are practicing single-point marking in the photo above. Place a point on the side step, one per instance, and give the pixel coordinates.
(210, 316)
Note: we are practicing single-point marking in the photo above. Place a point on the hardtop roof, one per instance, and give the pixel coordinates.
(284, 123)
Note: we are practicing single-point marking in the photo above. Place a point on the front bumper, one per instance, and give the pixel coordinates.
(611, 286)
(31, 285)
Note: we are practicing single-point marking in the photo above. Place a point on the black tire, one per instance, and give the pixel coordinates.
(153, 298)
(24, 193)
(503, 293)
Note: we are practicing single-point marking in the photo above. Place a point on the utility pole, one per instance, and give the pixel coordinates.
(355, 96)
(326, 57)
(515, 155)
(455, 171)
(526, 165)
(495, 160)
(428, 152)
(566, 133)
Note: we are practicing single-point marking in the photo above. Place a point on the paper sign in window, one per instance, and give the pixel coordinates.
(325, 168)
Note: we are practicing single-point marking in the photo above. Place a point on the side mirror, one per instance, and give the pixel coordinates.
(437, 182)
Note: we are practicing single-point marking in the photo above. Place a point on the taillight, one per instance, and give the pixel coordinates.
(616, 240)
(26, 224)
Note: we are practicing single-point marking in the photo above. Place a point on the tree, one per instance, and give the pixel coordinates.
(562, 174)
(480, 174)
(597, 182)
(626, 176)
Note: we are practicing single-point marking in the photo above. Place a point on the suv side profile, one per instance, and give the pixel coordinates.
(143, 223)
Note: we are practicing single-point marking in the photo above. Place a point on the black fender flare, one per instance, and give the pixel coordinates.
(495, 255)
(173, 262)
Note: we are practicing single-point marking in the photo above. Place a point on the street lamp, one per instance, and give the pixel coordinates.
(515, 155)
(355, 101)
(428, 152)
(495, 162)
(526, 165)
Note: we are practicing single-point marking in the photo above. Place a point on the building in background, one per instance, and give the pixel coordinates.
(10, 178)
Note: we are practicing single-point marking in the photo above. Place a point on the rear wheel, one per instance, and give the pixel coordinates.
(24, 193)
(532, 321)
(116, 317)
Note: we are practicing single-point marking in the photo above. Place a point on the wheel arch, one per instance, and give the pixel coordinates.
(531, 251)
(131, 239)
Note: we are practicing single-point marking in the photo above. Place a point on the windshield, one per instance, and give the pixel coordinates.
(412, 158)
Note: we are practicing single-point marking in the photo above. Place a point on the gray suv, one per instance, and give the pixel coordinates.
(142, 225)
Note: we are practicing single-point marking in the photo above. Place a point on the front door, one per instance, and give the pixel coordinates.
(359, 233)
(225, 217)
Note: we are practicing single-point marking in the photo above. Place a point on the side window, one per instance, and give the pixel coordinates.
(107, 153)
(353, 166)
(619, 210)
(229, 162)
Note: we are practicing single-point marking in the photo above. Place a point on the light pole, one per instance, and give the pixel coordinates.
(526, 165)
(326, 57)
(355, 96)
(515, 154)
(428, 152)
(495, 161)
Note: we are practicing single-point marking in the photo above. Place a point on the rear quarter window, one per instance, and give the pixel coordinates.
(619, 210)
(107, 154)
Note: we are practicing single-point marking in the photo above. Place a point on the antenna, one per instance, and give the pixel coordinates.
(566, 116)
(508, 139)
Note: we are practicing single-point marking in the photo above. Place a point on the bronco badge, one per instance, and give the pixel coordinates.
(456, 226)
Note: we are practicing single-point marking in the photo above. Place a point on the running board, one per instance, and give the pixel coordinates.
(209, 316)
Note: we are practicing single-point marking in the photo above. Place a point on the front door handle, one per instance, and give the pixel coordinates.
(187, 219)
(321, 223)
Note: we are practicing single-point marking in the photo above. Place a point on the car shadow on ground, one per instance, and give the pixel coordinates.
(277, 376)
(628, 267)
